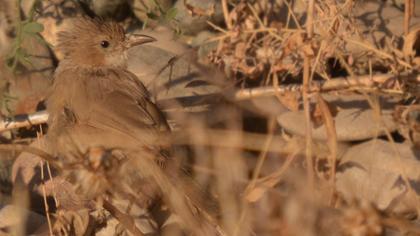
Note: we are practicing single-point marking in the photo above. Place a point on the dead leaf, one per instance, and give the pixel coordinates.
(197, 11)
(317, 113)
(289, 100)
(240, 50)
(265, 183)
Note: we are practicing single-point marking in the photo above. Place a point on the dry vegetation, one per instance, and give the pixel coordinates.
(245, 171)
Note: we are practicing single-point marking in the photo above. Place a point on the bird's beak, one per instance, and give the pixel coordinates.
(138, 39)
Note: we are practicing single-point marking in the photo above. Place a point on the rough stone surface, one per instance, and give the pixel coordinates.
(142, 8)
(169, 73)
(267, 106)
(117, 9)
(192, 23)
(11, 216)
(372, 171)
(354, 121)
(380, 23)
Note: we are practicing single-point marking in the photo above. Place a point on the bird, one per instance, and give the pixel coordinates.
(96, 103)
(93, 89)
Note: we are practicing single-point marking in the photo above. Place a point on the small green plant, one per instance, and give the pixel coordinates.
(18, 57)
(25, 28)
(163, 16)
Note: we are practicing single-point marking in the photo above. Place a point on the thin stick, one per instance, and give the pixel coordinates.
(310, 19)
(335, 84)
(21, 121)
(290, 10)
(305, 95)
(44, 193)
(407, 15)
(226, 14)
(308, 123)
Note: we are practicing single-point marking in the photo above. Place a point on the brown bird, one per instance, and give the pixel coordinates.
(95, 102)
(94, 99)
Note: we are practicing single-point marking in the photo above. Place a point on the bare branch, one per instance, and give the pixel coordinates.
(21, 121)
(336, 84)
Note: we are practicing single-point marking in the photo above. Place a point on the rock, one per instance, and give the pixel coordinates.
(372, 171)
(13, 216)
(166, 40)
(266, 106)
(149, 11)
(169, 73)
(373, 19)
(193, 15)
(117, 9)
(355, 119)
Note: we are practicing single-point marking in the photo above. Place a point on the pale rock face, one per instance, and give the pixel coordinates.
(355, 120)
(142, 8)
(372, 171)
(191, 23)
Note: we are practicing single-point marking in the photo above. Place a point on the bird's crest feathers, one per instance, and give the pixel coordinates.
(81, 40)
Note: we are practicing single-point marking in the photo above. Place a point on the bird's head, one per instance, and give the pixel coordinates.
(96, 43)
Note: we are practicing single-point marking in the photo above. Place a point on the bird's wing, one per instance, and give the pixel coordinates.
(116, 101)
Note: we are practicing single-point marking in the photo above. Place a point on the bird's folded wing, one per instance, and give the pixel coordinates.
(114, 101)
(123, 105)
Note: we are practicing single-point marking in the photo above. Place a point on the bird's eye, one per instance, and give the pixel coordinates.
(104, 44)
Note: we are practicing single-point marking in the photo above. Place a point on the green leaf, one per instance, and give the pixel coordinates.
(171, 13)
(33, 27)
(152, 15)
(42, 41)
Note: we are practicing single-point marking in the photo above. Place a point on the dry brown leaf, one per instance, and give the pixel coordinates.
(269, 181)
(72, 222)
(258, 191)
(317, 114)
(289, 100)
(307, 50)
(328, 115)
(293, 43)
(197, 11)
(240, 50)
